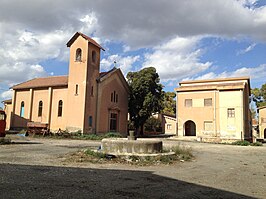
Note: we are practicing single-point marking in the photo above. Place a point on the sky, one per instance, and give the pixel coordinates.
(182, 39)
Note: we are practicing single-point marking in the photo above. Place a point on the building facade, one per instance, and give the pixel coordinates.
(85, 100)
(262, 122)
(168, 124)
(214, 110)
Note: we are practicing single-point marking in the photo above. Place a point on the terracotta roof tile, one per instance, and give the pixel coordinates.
(43, 82)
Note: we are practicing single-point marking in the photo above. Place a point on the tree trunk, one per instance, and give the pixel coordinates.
(142, 130)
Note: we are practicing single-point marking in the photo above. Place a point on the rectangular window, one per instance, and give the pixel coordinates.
(90, 121)
(188, 102)
(208, 102)
(169, 126)
(208, 126)
(230, 112)
(2, 116)
(113, 122)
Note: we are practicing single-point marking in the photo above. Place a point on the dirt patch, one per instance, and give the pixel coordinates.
(218, 171)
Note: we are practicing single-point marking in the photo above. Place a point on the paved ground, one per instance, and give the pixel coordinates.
(34, 168)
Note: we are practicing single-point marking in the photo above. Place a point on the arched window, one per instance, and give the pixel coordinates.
(40, 109)
(78, 54)
(60, 108)
(93, 56)
(77, 89)
(114, 97)
(22, 109)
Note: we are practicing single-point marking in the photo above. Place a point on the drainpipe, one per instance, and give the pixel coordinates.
(14, 101)
(214, 114)
(96, 107)
(242, 117)
(176, 113)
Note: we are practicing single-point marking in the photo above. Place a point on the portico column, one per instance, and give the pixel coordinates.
(30, 104)
(14, 99)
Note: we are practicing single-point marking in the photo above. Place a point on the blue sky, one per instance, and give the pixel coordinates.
(183, 40)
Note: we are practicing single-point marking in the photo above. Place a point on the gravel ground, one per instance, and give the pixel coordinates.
(35, 168)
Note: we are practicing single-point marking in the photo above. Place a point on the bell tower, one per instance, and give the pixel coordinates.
(84, 66)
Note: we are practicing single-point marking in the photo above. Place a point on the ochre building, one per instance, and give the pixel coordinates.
(214, 110)
(262, 122)
(85, 100)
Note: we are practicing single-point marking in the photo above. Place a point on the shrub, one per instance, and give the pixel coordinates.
(112, 135)
(89, 137)
(256, 144)
(95, 154)
(241, 143)
(184, 153)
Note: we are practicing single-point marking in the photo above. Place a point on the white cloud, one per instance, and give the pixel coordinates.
(6, 95)
(124, 63)
(177, 59)
(141, 24)
(257, 74)
(249, 48)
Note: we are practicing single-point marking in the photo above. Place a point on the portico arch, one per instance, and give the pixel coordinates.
(190, 128)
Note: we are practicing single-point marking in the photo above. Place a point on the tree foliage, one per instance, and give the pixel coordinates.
(169, 103)
(146, 96)
(259, 95)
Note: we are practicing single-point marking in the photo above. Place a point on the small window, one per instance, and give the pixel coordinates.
(93, 56)
(60, 108)
(40, 109)
(77, 89)
(231, 113)
(169, 126)
(22, 109)
(90, 121)
(78, 54)
(2, 116)
(188, 102)
(208, 102)
(114, 97)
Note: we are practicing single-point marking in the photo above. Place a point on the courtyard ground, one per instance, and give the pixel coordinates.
(36, 168)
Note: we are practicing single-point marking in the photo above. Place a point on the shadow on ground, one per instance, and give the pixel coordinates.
(24, 181)
(25, 142)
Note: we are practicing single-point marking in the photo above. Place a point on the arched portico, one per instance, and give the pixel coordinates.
(190, 128)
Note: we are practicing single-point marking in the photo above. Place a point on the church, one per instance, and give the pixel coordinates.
(86, 100)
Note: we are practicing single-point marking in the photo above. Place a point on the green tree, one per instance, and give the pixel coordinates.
(259, 95)
(146, 96)
(169, 103)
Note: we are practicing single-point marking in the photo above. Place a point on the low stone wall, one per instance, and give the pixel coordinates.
(122, 146)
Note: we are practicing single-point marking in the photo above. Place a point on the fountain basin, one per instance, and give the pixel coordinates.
(123, 146)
